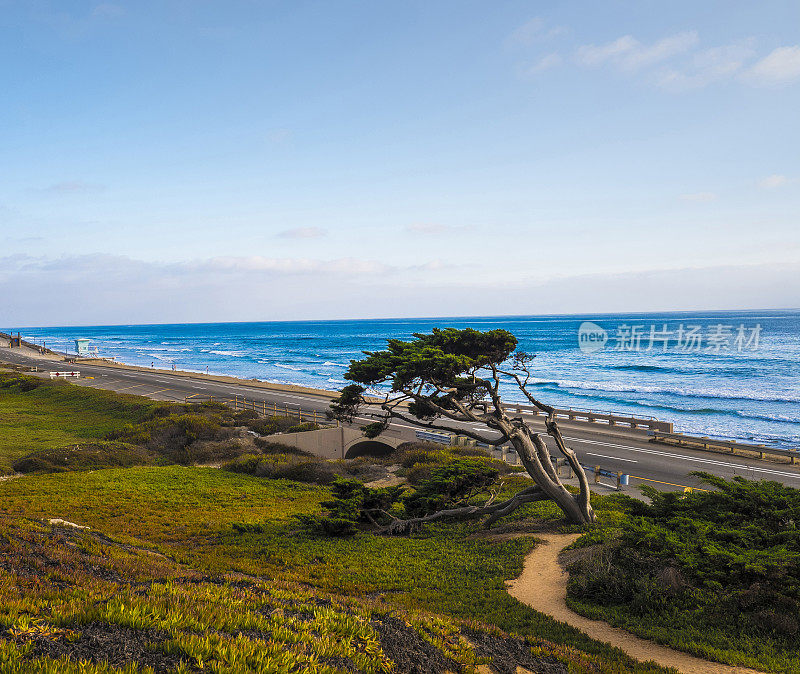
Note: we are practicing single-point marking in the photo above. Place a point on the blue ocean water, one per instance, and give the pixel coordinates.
(732, 375)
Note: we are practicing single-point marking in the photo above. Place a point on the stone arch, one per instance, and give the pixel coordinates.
(366, 447)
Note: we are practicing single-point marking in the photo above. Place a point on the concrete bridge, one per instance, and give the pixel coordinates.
(339, 443)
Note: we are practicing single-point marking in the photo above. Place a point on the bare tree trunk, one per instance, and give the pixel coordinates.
(536, 458)
(555, 490)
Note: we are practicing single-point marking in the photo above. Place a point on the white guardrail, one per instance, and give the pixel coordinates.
(606, 418)
(64, 375)
(509, 455)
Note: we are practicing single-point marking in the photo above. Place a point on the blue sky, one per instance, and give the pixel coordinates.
(253, 160)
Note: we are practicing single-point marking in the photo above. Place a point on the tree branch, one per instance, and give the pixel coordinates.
(528, 495)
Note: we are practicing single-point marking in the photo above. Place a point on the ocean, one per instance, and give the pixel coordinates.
(732, 375)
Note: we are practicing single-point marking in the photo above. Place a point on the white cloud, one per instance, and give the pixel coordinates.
(698, 196)
(675, 63)
(545, 63)
(285, 289)
(532, 31)
(707, 66)
(779, 66)
(629, 54)
(773, 182)
(433, 228)
(257, 263)
(303, 233)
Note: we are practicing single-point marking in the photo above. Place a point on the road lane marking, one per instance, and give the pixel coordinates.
(614, 458)
(152, 393)
(672, 484)
(739, 466)
(130, 387)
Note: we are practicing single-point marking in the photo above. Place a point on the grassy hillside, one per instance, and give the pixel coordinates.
(35, 417)
(75, 601)
(187, 566)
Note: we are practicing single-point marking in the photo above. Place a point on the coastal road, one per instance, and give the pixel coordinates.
(618, 449)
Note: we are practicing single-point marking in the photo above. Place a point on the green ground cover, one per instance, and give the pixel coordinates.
(58, 414)
(73, 601)
(188, 514)
(156, 567)
(714, 573)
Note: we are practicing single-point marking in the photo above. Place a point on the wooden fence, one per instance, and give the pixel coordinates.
(265, 409)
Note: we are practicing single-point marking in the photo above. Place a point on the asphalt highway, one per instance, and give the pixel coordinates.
(618, 449)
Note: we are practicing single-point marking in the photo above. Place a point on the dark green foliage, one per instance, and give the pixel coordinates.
(345, 407)
(20, 383)
(84, 456)
(723, 563)
(451, 485)
(271, 425)
(353, 505)
(442, 357)
(271, 447)
(285, 466)
(445, 359)
(334, 527)
(244, 416)
(303, 427)
(374, 429)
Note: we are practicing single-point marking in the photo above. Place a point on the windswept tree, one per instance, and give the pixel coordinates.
(450, 380)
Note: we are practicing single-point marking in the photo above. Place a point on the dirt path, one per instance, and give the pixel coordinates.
(543, 586)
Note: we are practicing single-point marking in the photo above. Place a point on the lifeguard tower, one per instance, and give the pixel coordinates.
(83, 349)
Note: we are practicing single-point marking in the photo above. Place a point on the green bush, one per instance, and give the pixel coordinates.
(83, 456)
(353, 505)
(303, 427)
(450, 485)
(172, 434)
(413, 453)
(247, 463)
(316, 471)
(272, 447)
(721, 565)
(285, 466)
(20, 383)
(271, 425)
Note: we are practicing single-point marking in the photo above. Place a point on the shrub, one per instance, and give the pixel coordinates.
(353, 504)
(725, 562)
(171, 435)
(20, 383)
(412, 453)
(245, 415)
(213, 450)
(285, 467)
(316, 471)
(272, 447)
(469, 451)
(450, 485)
(247, 463)
(303, 427)
(84, 456)
(271, 425)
